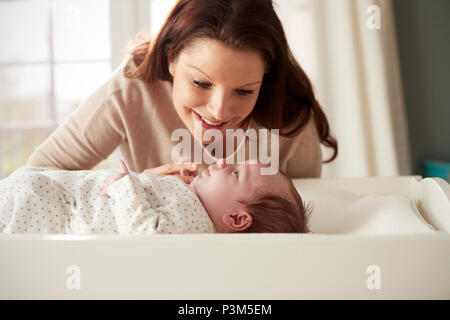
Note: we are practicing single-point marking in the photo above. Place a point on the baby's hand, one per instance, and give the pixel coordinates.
(123, 172)
(185, 175)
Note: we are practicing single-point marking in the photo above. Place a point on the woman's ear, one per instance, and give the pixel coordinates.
(171, 67)
(171, 64)
(238, 221)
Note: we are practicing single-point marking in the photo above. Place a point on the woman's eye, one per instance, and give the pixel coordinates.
(202, 85)
(236, 173)
(244, 92)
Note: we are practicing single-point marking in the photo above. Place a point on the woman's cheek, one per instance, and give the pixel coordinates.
(246, 108)
(192, 98)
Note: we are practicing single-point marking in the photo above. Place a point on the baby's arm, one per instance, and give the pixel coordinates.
(123, 172)
(132, 210)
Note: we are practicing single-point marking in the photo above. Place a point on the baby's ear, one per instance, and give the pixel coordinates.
(238, 221)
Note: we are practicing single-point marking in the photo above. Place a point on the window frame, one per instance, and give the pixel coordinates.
(126, 19)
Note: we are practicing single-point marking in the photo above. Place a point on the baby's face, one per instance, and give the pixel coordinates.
(221, 185)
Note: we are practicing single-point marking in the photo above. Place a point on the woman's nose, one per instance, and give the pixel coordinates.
(218, 106)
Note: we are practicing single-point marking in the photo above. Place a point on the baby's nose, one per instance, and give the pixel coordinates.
(217, 166)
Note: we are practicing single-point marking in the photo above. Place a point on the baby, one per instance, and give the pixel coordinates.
(238, 198)
(225, 198)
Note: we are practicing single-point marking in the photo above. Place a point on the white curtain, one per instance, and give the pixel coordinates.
(359, 87)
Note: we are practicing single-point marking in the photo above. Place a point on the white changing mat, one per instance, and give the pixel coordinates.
(343, 212)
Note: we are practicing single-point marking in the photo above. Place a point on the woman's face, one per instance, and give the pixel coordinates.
(215, 86)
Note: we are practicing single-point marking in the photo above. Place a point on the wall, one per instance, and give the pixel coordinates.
(423, 35)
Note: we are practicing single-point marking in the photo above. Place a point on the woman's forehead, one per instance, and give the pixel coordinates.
(209, 54)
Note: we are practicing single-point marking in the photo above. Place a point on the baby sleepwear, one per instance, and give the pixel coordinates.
(38, 200)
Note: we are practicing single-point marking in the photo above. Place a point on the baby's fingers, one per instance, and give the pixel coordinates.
(186, 172)
(110, 180)
(186, 179)
(103, 192)
(123, 167)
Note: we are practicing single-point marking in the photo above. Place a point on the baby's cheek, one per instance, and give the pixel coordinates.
(216, 194)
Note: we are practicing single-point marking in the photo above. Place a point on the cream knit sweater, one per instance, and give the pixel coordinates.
(139, 118)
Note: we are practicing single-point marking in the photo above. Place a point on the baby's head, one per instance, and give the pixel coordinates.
(238, 198)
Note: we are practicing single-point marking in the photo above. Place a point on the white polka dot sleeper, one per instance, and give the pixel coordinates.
(38, 200)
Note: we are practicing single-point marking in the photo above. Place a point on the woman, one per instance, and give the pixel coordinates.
(225, 64)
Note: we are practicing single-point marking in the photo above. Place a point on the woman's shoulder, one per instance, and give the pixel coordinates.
(300, 154)
(131, 91)
(308, 134)
(118, 98)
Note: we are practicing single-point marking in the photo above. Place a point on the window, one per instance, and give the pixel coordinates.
(51, 48)
(297, 17)
(159, 9)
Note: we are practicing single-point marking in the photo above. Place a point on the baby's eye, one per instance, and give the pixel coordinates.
(236, 173)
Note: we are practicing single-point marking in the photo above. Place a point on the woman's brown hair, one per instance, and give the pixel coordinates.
(286, 100)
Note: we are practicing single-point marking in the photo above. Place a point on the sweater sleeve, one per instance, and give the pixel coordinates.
(132, 210)
(90, 135)
(94, 130)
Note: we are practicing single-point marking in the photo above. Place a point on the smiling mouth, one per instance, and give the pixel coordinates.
(211, 123)
(207, 124)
